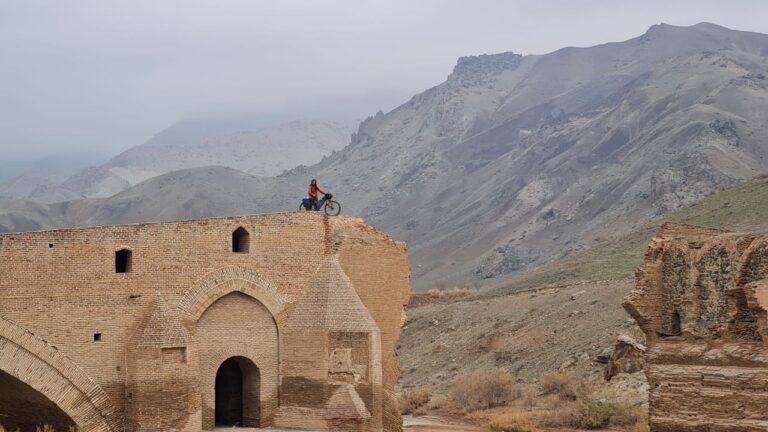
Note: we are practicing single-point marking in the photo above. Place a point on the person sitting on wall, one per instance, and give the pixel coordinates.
(312, 193)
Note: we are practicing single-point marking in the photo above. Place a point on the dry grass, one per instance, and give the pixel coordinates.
(593, 414)
(484, 389)
(641, 424)
(413, 399)
(512, 421)
(562, 384)
(439, 296)
(490, 399)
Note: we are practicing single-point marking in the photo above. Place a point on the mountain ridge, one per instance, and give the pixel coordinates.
(515, 161)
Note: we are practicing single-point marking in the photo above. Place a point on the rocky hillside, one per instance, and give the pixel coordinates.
(513, 161)
(519, 160)
(265, 151)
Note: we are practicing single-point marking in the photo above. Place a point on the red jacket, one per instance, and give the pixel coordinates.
(313, 190)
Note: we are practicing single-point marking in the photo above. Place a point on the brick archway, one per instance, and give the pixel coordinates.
(221, 282)
(45, 369)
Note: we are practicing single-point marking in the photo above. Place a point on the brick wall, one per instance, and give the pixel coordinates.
(61, 287)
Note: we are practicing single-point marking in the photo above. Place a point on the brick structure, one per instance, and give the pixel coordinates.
(701, 299)
(285, 320)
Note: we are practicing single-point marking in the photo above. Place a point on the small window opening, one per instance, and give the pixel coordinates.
(97, 337)
(50, 245)
(240, 240)
(123, 261)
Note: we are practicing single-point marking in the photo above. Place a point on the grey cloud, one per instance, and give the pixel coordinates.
(99, 76)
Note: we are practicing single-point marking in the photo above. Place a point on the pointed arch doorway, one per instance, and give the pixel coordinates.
(237, 393)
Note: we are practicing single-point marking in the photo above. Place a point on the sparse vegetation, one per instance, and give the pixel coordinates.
(641, 424)
(559, 400)
(593, 414)
(561, 384)
(484, 389)
(413, 399)
(512, 421)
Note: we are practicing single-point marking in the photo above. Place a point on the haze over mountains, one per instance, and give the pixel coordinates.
(513, 161)
(235, 143)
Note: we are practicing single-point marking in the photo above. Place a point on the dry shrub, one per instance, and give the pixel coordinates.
(562, 416)
(564, 385)
(593, 414)
(626, 414)
(484, 389)
(529, 397)
(512, 421)
(413, 399)
(641, 424)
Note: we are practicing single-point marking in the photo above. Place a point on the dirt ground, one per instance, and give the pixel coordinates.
(410, 424)
(527, 333)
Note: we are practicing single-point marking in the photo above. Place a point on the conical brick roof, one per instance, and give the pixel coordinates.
(163, 328)
(332, 303)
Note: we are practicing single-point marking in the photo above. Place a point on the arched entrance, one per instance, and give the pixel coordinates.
(237, 393)
(37, 377)
(237, 334)
(23, 408)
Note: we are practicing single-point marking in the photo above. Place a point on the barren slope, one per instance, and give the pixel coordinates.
(558, 316)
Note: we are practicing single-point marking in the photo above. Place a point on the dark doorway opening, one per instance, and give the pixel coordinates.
(238, 386)
(229, 394)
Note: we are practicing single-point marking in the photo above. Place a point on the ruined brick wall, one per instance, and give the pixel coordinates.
(139, 349)
(701, 299)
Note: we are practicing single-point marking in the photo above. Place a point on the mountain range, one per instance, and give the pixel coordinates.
(242, 144)
(512, 162)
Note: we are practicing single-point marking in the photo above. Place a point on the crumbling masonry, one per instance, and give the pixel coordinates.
(284, 320)
(701, 299)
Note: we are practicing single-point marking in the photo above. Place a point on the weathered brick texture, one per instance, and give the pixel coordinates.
(701, 300)
(309, 313)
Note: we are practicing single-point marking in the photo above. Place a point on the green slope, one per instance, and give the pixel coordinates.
(740, 208)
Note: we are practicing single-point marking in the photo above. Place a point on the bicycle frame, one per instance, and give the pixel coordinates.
(320, 204)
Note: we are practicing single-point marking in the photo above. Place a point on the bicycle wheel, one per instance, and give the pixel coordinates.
(332, 208)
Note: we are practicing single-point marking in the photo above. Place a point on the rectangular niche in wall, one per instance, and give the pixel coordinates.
(348, 355)
(174, 355)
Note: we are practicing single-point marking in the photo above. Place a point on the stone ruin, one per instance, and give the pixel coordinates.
(286, 320)
(701, 299)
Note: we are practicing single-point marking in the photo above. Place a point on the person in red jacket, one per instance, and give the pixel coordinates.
(312, 193)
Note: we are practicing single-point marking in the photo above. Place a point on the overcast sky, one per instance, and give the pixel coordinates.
(99, 76)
